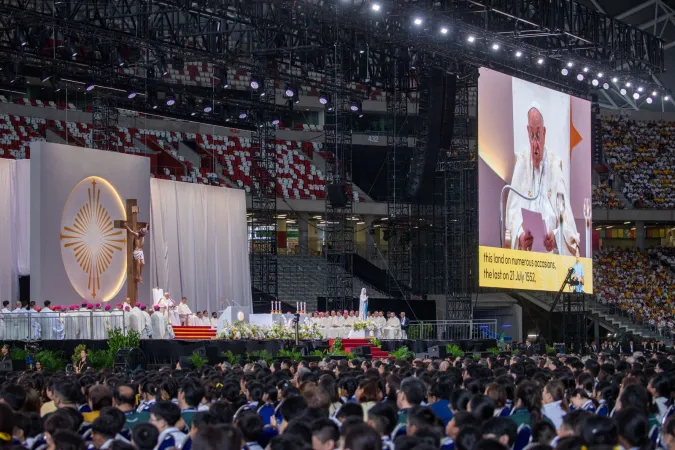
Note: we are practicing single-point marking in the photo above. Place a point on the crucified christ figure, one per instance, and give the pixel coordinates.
(139, 241)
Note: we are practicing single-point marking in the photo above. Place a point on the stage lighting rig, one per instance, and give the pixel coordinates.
(170, 100)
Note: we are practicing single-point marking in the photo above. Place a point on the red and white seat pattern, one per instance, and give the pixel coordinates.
(16, 134)
(234, 154)
(297, 177)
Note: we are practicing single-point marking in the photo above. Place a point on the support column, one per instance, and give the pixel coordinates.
(303, 233)
(640, 234)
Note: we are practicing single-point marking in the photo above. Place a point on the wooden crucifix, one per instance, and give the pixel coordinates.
(136, 234)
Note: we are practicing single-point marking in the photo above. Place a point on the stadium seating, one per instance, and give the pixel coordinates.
(604, 197)
(297, 176)
(639, 284)
(641, 154)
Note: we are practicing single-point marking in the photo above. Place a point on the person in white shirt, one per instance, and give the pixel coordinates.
(554, 402)
(184, 311)
(46, 322)
(164, 415)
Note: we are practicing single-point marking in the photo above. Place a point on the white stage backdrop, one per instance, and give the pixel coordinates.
(14, 226)
(199, 244)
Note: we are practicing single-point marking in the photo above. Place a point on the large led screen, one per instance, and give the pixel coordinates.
(534, 149)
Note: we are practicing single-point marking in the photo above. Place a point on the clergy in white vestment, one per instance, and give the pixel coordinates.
(393, 328)
(196, 320)
(165, 304)
(363, 304)
(380, 320)
(117, 321)
(4, 314)
(147, 323)
(58, 326)
(160, 326)
(174, 317)
(137, 321)
(71, 323)
(46, 322)
(538, 175)
(84, 321)
(99, 325)
(35, 325)
(214, 320)
(184, 311)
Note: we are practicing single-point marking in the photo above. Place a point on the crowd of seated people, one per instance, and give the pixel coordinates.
(640, 284)
(602, 400)
(641, 154)
(604, 197)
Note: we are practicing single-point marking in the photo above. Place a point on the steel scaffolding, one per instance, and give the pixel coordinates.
(339, 229)
(263, 256)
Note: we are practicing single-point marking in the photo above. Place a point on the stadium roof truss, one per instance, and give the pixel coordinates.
(535, 39)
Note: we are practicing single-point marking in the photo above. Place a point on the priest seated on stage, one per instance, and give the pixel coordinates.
(184, 311)
(392, 330)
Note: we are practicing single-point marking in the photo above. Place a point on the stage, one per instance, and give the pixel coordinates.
(168, 352)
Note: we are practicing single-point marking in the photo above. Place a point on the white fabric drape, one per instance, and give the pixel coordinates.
(14, 226)
(199, 243)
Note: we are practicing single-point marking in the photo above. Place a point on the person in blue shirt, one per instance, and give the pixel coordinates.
(439, 399)
(578, 274)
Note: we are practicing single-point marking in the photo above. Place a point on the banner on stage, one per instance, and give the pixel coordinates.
(534, 183)
(517, 269)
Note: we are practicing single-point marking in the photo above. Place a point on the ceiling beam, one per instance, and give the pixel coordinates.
(636, 8)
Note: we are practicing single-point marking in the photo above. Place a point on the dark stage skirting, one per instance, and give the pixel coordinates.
(169, 351)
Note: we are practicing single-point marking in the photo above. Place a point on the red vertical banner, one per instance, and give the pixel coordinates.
(281, 239)
(596, 239)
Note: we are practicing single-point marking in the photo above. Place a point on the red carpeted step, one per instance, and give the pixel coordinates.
(194, 333)
(349, 344)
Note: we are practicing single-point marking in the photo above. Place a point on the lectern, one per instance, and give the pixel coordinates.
(231, 315)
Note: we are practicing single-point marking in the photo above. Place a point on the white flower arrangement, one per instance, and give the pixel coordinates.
(243, 330)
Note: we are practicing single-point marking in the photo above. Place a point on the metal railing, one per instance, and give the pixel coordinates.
(451, 330)
(630, 313)
(34, 326)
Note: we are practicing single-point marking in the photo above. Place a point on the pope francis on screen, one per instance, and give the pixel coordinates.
(538, 174)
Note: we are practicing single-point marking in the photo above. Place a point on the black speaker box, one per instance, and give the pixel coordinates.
(337, 195)
(129, 358)
(361, 352)
(6, 366)
(437, 351)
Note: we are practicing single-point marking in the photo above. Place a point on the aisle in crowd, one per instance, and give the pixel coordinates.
(496, 403)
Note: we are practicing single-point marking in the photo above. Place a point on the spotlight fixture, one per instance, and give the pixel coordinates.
(242, 115)
(649, 100)
(131, 94)
(666, 98)
(330, 107)
(640, 89)
(207, 105)
(296, 98)
(355, 106)
(255, 84)
(89, 86)
(595, 82)
(600, 74)
(519, 54)
(21, 36)
(623, 91)
(564, 71)
(615, 80)
(627, 83)
(418, 21)
(276, 120)
(654, 93)
(289, 92)
(170, 100)
(45, 76)
(375, 7)
(471, 39)
(605, 86)
(585, 69)
(540, 61)
(636, 95)
(495, 46)
(444, 30)
(580, 77)
(570, 64)
(161, 65)
(323, 98)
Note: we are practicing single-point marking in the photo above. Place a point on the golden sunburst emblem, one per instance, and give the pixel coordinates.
(90, 242)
